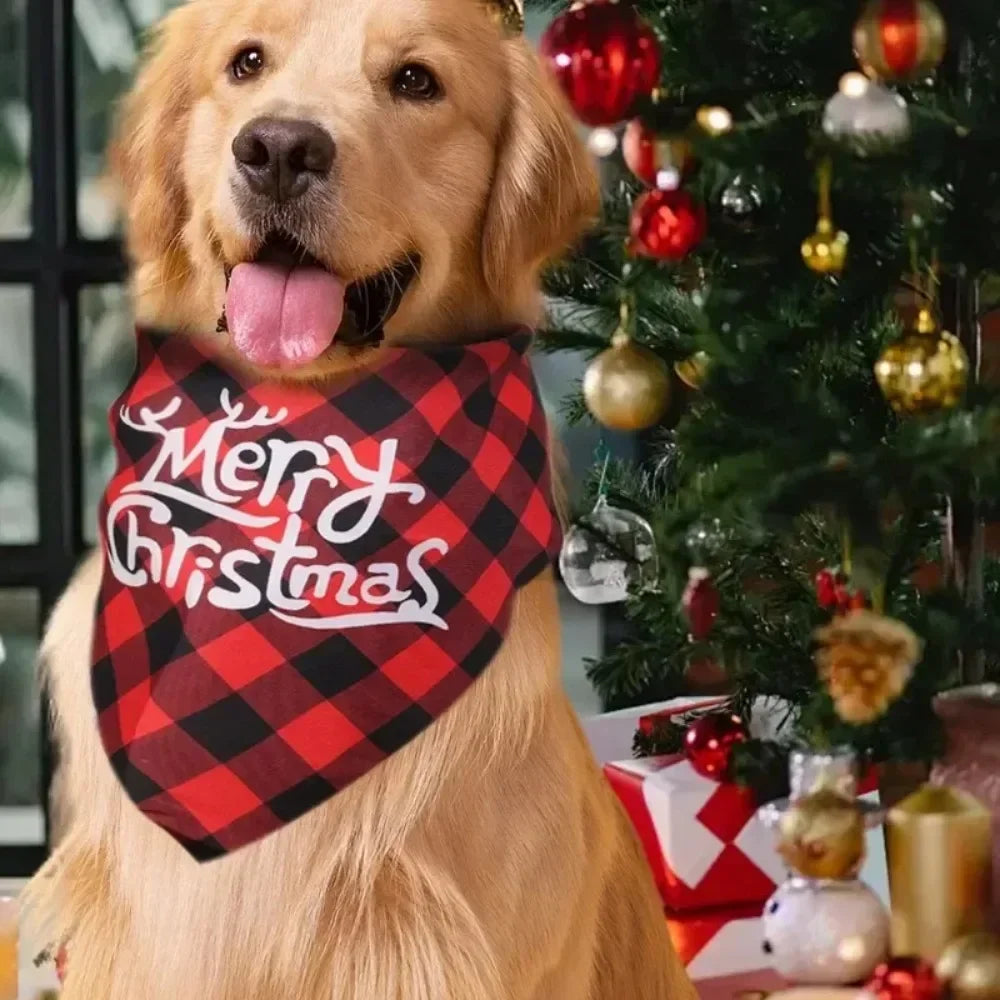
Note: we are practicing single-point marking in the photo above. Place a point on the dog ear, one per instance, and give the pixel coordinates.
(144, 152)
(545, 189)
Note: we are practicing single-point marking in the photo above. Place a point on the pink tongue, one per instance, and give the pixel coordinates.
(283, 316)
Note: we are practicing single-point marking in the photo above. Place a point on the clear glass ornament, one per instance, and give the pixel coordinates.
(609, 553)
(706, 540)
(809, 770)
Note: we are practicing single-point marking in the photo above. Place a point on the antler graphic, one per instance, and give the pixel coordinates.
(262, 418)
(151, 420)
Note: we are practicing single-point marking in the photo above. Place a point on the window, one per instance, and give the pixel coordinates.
(65, 345)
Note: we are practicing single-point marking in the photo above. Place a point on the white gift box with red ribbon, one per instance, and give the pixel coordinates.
(702, 838)
(705, 845)
(720, 942)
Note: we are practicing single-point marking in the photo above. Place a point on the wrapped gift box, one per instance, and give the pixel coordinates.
(741, 985)
(703, 840)
(611, 733)
(716, 943)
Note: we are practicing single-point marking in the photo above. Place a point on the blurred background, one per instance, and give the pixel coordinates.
(66, 351)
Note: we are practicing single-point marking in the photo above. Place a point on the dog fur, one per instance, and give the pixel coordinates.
(487, 860)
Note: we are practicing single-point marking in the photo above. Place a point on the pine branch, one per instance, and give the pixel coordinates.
(789, 442)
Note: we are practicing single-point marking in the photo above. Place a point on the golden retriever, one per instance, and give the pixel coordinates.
(487, 859)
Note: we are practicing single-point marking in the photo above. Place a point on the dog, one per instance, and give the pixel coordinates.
(421, 156)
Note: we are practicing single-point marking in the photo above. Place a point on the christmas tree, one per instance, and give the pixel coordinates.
(785, 297)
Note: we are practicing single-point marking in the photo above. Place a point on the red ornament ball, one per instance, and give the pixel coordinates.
(653, 158)
(900, 39)
(709, 742)
(666, 225)
(827, 583)
(904, 978)
(604, 56)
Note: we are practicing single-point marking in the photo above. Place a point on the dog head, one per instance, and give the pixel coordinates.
(356, 167)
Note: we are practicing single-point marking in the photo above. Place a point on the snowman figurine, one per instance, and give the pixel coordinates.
(825, 931)
(823, 926)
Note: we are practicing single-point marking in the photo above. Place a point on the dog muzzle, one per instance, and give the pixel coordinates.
(297, 580)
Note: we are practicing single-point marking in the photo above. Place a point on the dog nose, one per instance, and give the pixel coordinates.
(280, 157)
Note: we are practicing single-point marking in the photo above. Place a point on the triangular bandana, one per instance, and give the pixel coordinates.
(299, 580)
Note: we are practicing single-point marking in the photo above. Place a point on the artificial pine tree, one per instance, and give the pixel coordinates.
(788, 227)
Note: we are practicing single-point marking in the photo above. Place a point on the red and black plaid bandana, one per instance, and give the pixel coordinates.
(298, 581)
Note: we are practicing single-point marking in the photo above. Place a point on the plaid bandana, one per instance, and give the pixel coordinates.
(298, 581)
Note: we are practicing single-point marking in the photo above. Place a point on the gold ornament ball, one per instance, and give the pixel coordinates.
(970, 968)
(627, 387)
(692, 371)
(825, 252)
(924, 371)
(822, 835)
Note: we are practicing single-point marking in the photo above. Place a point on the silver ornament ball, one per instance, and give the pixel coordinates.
(825, 933)
(865, 116)
(741, 199)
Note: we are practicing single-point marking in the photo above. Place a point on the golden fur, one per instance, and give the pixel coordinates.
(487, 860)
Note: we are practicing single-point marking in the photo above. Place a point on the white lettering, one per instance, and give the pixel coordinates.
(234, 463)
(183, 544)
(323, 575)
(246, 595)
(385, 577)
(217, 475)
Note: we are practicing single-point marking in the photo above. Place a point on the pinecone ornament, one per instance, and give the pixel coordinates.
(866, 660)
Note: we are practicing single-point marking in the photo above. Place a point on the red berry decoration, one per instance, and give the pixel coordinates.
(826, 588)
(700, 602)
(900, 39)
(835, 594)
(905, 978)
(709, 742)
(655, 159)
(666, 225)
(604, 56)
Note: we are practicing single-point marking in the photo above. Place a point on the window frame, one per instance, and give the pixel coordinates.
(56, 262)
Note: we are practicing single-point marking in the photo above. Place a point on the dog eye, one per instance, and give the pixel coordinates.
(249, 62)
(416, 82)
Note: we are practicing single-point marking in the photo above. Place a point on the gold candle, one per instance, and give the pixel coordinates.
(939, 846)
(8, 948)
